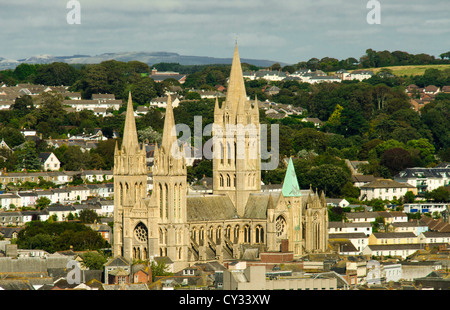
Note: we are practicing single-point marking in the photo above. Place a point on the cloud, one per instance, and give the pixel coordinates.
(287, 30)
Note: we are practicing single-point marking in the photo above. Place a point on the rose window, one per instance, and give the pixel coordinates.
(141, 232)
(280, 226)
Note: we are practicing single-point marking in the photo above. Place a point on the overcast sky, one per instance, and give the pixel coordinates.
(283, 30)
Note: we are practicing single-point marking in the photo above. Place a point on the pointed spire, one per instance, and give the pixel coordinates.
(290, 184)
(169, 132)
(236, 94)
(255, 106)
(270, 203)
(130, 140)
(216, 107)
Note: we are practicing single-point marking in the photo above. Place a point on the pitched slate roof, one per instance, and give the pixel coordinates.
(210, 208)
(257, 205)
(386, 183)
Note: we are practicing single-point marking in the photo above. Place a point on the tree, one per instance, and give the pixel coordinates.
(328, 178)
(159, 268)
(22, 105)
(440, 194)
(27, 157)
(396, 160)
(88, 216)
(350, 191)
(93, 260)
(409, 197)
(425, 150)
(56, 73)
(42, 202)
(149, 134)
(445, 55)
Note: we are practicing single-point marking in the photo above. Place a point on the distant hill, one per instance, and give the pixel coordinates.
(149, 58)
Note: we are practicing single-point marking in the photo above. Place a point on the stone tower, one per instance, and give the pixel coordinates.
(236, 160)
(169, 193)
(316, 224)
(131, 217)
(292, 195)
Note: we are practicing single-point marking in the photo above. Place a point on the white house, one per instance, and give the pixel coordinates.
(337, 202)
(425, 207)
(106, 207)
(359, 240)
(335, 227)
(401, 250)
(61, 211)
(391, 272)
(161, 102)
(60, 195)
(430, 237)
(358, 217)
(425, 179)
(359, 75)
(28, 198)
(384, 189)
(8, 200)
(373, 276)
(412, 226)
(49, 161)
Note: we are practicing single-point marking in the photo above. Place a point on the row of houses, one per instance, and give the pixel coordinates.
(421, 96)
(100, 104)
(56, 177)
(17, 219)
(417, 180)
(401, 237)
(308, 76)
(65, 195)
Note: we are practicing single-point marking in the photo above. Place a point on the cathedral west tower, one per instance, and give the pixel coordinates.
(132, 238)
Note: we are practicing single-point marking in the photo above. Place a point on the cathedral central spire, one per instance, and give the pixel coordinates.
(236, 94)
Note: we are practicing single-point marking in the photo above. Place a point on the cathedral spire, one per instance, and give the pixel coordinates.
(290, 185)
(169, 132)
(236, 94)
(130, 140)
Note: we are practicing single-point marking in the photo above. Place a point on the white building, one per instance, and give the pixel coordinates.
(425, 179)
(49, 161)
(425, 207)
(384, 189)
(358, 239)
(430, 237)
(350, 227)
(161, 102)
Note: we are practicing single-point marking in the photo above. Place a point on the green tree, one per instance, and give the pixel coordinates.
(159, 268)
(56, 74)
(396, 160)
(409, 197)
(27, 157)
(42, 202)
(93, 260)
(88, 216)
(328, 178)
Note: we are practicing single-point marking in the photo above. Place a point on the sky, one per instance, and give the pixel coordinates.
(287, 31)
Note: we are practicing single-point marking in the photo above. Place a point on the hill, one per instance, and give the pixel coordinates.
(410, 70)
(149, 58)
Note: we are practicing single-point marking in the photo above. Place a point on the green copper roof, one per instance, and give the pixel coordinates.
(290, 184)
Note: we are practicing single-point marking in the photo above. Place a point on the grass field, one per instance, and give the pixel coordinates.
(411, 70)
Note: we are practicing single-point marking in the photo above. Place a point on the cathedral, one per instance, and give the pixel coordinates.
(237, 217)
